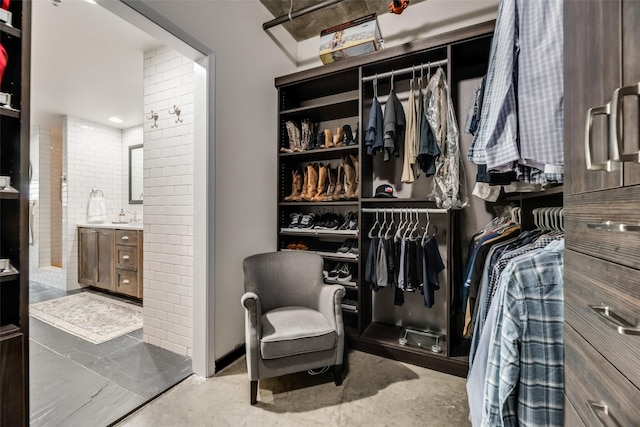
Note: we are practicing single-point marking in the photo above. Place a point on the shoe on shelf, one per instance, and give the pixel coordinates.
(301, 246)
(347, 135)
(344, 248)
(344, 273)
(352, 223)
(353, 249)
(292, 246)
(333, 221)
(320, 221)
(333, 274)
(295, 220)
(307, 220)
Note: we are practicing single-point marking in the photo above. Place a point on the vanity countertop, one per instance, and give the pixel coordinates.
(124, 226)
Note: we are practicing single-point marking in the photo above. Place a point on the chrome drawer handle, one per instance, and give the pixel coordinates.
(125, 237)
(617, 123)
(609, 165)
(621, 325)
(614, 226)
(125, 282)
(600, 407)
(125, 257)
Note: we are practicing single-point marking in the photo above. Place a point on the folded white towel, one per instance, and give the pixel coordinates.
(97, 211)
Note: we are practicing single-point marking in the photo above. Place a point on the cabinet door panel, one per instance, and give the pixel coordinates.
(592, 73)
(12, 384)
(630, 76)
(87, 266)
(105, 245)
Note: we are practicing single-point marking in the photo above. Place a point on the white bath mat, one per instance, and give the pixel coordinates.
(93, 317)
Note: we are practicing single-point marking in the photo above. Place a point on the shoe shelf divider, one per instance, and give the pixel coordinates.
(331, 96)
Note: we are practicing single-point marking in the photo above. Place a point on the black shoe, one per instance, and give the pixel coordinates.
(333, 221)
(333, 274)
(353, 249)
(307, 220)
(348, 135)
(344, 273)
(295, 220)
(345, 247)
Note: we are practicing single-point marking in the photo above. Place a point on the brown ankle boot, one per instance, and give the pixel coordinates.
(296, 186)
(350, 177)
(328, 139)
(303, 193)
(322, 183)
(338, 137)
(312, 182)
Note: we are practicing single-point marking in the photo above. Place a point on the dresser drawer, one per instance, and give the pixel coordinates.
(590, 284)
(127, 237)
(591, 381)
(593, 222)
(127, 257)
(127, 282)
(571, 417)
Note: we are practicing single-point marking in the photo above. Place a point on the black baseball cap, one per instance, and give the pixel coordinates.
(385, 190)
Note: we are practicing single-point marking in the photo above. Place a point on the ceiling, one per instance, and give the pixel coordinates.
(310, 25)
(85, 62)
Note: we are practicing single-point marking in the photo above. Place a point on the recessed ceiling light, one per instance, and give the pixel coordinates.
(91, 1)
(115, 119)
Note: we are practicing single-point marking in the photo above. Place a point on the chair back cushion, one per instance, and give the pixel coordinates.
(283, 279)
(288, 331)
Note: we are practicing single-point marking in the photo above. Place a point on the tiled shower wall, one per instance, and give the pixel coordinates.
(168, 201)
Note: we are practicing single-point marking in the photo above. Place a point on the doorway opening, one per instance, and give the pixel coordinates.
(85, 122)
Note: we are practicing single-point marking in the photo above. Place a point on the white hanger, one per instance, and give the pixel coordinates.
(398, 234)
(377, 223)
(388, 233)
(384, 224)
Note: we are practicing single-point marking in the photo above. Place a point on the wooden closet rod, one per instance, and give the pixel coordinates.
(404, 210)
(405, 70)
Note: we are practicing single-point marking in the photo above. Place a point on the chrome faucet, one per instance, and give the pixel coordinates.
(135, 216)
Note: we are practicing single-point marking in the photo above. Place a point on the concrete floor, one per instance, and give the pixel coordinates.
(376, 392)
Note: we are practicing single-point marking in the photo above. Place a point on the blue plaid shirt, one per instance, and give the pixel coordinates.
(522, 112)
(525, 369)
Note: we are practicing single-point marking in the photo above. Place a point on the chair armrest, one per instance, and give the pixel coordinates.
(329, 300)
(252, 331)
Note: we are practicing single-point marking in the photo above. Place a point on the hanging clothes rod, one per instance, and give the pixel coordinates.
(405, 70)
(404, 210)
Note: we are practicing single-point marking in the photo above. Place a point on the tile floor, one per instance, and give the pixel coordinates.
(76, 383)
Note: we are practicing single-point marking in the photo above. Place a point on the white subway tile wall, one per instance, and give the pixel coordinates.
(168, 201)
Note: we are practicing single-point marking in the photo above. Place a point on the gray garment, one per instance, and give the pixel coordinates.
(394, 125)
(382, 276)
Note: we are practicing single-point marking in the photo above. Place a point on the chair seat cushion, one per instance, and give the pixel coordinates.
(288, 331)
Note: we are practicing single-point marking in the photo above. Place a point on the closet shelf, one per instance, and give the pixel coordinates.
(348, 285)
(11, 274)
(534, 195)
(9, 193)
(324, 112)
(320, 154)
(10, 30)
(8, 329)
(385, 200)
(314, 232)
(345, 203)
(9, 112)
(387, 336)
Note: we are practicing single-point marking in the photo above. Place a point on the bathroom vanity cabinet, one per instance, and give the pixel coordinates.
(110, 258)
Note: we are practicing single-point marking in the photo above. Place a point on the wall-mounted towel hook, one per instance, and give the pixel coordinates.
(176, 111)
(154, 117)
(95, 191)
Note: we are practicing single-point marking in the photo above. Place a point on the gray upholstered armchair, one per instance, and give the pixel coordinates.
(293, 321)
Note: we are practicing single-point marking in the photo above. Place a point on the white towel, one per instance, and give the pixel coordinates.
(97, 211)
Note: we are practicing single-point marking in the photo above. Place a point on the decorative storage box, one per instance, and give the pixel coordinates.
(5, 17)
(352, 38)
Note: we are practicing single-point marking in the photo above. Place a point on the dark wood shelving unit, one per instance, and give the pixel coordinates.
(14, 218)
(334, 95)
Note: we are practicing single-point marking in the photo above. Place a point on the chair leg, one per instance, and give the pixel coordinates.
(337, 374)
(254, 392)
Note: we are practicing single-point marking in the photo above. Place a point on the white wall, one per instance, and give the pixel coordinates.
(247, 61)
(168, 201)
